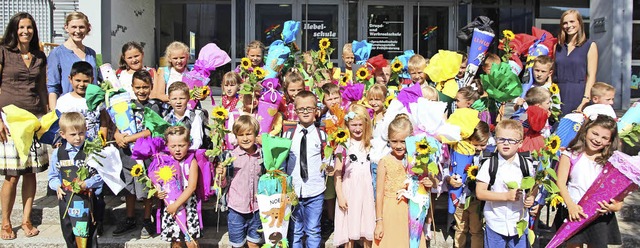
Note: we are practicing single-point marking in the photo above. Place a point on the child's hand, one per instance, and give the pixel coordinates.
(172, 208)
(519, 101)
(83, 185)
(197, 94)
(378, 233)
(528, 202)
(60, 193)
(160, 193)
(575, 212)
(611, 206)
(119, 137)
(426, 182)
(534, 210)
(514, 195)
(454, 182)
(219, 170)
(342, 203)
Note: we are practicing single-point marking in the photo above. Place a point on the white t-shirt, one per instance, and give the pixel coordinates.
(582, 175)
(69, 103)
(174, 76)
(125, 80)
(502, 216)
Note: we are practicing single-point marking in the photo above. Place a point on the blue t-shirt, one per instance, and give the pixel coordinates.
(59, 65)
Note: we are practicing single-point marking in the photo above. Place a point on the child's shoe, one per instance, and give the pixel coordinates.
(125, 226)
(148, 229)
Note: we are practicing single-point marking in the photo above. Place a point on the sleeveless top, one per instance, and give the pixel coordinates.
(571, 73)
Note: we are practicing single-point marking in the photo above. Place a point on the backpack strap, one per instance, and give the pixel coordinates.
(493, 169)
(323, 140)
(167, 73)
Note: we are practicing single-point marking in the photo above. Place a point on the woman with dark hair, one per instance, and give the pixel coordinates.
(22, 83)
(576, 62)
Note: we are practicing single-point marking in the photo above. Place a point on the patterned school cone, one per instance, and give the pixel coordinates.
(121, 113)
(418, 202)
(479, 45)
(460, 163)
(266, 114)
(631, 116)
(109, 74)
(568, 128)
(619, 177)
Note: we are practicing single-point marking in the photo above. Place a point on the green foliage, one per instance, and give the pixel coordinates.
(632, 135)
(521, 226)
(512, 185)
(527, 183)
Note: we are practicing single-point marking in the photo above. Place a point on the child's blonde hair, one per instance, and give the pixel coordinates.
(72, 121)
(537, 95)
(489, 60)
(400, 123)
(362, 114)
(600, 88)
(417, 62)
(173, 47)
(330, 89)
(469, 93)
(377, 91)
(231, 77)
(179, 86)
(543, 60)
(246, 123)
(511, 125)
(256, 44)
(177, 131)
(347, 48)
(430, 93)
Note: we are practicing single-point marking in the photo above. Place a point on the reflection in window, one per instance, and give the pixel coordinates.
(385, 30)
(430, 30)
(322, 22)
(269, 21)
(635, 42)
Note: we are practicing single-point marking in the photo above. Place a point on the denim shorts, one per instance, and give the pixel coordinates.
(244, 227)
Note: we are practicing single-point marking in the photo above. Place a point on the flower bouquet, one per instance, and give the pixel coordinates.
(275, 192)
(218, 133)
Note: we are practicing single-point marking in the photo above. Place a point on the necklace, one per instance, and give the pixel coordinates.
(25, 56)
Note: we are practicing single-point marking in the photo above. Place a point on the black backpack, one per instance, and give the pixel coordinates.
(493, 170)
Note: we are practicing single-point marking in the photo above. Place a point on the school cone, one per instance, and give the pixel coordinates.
(619, 177)
(479, 45)
(81, 242)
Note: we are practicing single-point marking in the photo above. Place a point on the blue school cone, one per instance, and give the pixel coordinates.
(458, 165)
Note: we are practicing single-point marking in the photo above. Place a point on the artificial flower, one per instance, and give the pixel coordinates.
(397, 66)
(322, 54)
(206, 91)
(554, 89)
(422, 147)
(341, 136)
(508, 34)
(259, 72)
(363, 73)
(388, 100)
(576, 127)
(324, 43)
(245, 63)
(137, 170)
(553, 144)
(220, 113)
(555, 201)
(472, 172)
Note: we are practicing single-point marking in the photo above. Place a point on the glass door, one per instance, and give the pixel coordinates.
(319, 21)
(385, 29)
(269, 18)
(430, 29)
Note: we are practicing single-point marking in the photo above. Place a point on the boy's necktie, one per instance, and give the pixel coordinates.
(303, 156)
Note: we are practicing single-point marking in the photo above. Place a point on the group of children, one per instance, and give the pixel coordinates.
(357, 185)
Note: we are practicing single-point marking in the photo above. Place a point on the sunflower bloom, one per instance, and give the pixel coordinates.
(508, 34)
(388, 100)
(220, 113)
(245, 63)
(422, 147)
(344, 80)
(323, 56)
(137, 170)
(554, 89)
(362, 73)
(556, 200)
(472, 172)
(397, 66)
(324, 43)
(206, 91)
(553, 144)
(259, 72)
(341, 136)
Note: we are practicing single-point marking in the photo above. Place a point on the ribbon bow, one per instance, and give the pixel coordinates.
(271, 93)
(350, 116)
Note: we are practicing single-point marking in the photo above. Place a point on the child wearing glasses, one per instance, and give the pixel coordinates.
(504, 206)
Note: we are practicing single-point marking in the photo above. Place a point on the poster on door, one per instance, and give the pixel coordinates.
(385, 36)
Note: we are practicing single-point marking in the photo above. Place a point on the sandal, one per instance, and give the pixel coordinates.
(7, 232)
(29, 230)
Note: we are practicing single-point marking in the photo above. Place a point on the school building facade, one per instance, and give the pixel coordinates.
(424, 26)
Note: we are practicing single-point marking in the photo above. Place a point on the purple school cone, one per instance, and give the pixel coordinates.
(166, 173)
(266, 114)
(619, 177)
(479, 45)
(458, 165)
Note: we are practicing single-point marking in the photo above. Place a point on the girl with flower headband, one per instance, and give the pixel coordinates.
(578, 168)
(355, 212)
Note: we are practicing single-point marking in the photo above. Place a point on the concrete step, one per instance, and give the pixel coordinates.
(631, 208)
(42, 185)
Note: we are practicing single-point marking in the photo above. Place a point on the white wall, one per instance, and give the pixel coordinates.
(614, 46)
(94, 12)
(126, 21)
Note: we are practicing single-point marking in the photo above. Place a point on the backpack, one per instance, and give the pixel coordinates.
(493, 170)
(288, 129)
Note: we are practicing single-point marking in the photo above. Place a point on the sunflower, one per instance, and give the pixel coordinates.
(422, 147)
(362, 73)
(553, 144)
(557, 199)
(206, 91)
(324, 43)
(508, 34)
(245, 63)
(341, 136)
(165, 173)
(397, 66)
(137, 170)
(387, 101)
(220, 113)
(344, 80)
(472, 172)
(554, 89)
(322, 54)
(259, 72)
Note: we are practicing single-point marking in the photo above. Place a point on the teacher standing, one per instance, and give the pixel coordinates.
(62, 57)
(576, 62)
(23, 84)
